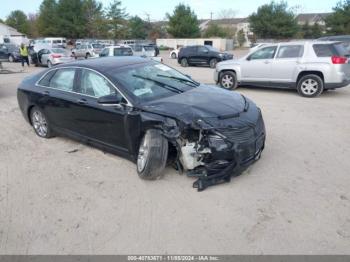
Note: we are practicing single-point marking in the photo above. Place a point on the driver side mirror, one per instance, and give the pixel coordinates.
(113, 99)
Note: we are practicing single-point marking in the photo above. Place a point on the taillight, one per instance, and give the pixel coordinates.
(56, 56)
(339, 59)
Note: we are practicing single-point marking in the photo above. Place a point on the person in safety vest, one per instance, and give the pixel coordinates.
(23, 51)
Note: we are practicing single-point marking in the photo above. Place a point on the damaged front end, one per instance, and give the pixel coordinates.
(216, 149)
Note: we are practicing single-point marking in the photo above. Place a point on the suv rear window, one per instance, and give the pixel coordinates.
(328, 50)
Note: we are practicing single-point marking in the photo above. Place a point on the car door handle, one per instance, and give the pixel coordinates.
(266, 62)
(46, 93)
(82, 101)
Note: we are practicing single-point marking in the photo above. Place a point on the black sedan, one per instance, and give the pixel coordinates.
(149, 113)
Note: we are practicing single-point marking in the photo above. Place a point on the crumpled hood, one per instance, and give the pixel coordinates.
(199, 103)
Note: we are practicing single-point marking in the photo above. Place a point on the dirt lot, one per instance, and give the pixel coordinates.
(295, 200)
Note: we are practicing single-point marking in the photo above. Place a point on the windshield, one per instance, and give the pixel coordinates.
(148, 82)
(211, 48)
(97, 46)
(149, 48)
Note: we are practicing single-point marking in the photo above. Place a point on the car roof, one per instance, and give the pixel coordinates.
(302, 42)
(118, 46)
(107, 63)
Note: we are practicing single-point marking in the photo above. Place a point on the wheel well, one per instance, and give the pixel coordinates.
(304, 73)
(28, 114)
(227, 70)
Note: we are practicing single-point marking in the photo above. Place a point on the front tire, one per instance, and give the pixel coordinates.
(87, 56)
(310, 86)
(173, 56)
(228, 80)
(184, 62)
(152, 156)
(40, 123)
(213, 62)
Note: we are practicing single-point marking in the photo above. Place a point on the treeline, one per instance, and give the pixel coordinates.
(90, 19)
(83, 19)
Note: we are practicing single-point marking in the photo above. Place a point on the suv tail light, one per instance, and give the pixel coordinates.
(339, 59)
(55, 56)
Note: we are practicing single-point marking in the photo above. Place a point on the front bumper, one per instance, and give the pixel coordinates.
(246, 147)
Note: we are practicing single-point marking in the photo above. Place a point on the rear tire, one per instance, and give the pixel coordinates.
(87, 56)
(40, 123)
(184, 62)
(11, 59)
(213, 62)
(228, 80)
(49, 64)
(152, 156)
(173, 56)
(310, 86)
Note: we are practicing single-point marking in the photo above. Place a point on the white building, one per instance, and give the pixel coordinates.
(219, 43)
(11, 35)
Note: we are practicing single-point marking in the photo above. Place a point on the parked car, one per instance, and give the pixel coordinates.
(148, 112)
(3, 53)
(10, 52)
(174, 53)
(310, 67)
(117, 50)
(87, 50)
(50, 57)
(201, 55)
(60, 42)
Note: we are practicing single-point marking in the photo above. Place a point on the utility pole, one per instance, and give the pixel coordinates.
(211, 15)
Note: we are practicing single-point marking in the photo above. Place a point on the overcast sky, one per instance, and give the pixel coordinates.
(156, 9)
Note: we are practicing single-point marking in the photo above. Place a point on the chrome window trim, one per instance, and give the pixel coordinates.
(81, 67)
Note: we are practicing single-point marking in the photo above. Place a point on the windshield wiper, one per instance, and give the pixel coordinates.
(180, 79)
(166, 86)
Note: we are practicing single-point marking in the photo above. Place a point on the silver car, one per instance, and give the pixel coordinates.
(308, 66)
(53, 56)
(87, 50)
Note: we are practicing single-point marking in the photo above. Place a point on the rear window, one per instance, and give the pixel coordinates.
(328, 50)
(122, 51)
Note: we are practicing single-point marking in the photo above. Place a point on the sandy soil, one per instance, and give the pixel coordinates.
(295, 200)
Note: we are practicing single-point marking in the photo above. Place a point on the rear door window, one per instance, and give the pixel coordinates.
(63, 79)
(290, 51)
(45, 81)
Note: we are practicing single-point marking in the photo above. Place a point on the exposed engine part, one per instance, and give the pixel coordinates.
(190, 157)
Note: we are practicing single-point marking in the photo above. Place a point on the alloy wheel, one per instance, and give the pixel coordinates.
(39, 123)
(309, 86)
(227, 81)
(143, 154)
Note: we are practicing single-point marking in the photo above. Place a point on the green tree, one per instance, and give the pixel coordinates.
(273, 20)
(18, 20)
(214, 30)
(117, 16)
(316, 31)
(95, 22)
(339, 21)
(137, 28)
(71, 21)
(306, 31)
(241, 38)
(47, 19)
(183, 22)
(33, 25)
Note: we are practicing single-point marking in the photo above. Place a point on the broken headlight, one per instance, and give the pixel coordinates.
(218, 143)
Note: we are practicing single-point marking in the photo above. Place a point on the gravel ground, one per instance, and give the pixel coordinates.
(61, 197)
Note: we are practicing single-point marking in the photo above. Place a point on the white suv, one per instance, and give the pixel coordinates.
(309, 66)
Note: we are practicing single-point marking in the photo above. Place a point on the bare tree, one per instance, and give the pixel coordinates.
(226, 13)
